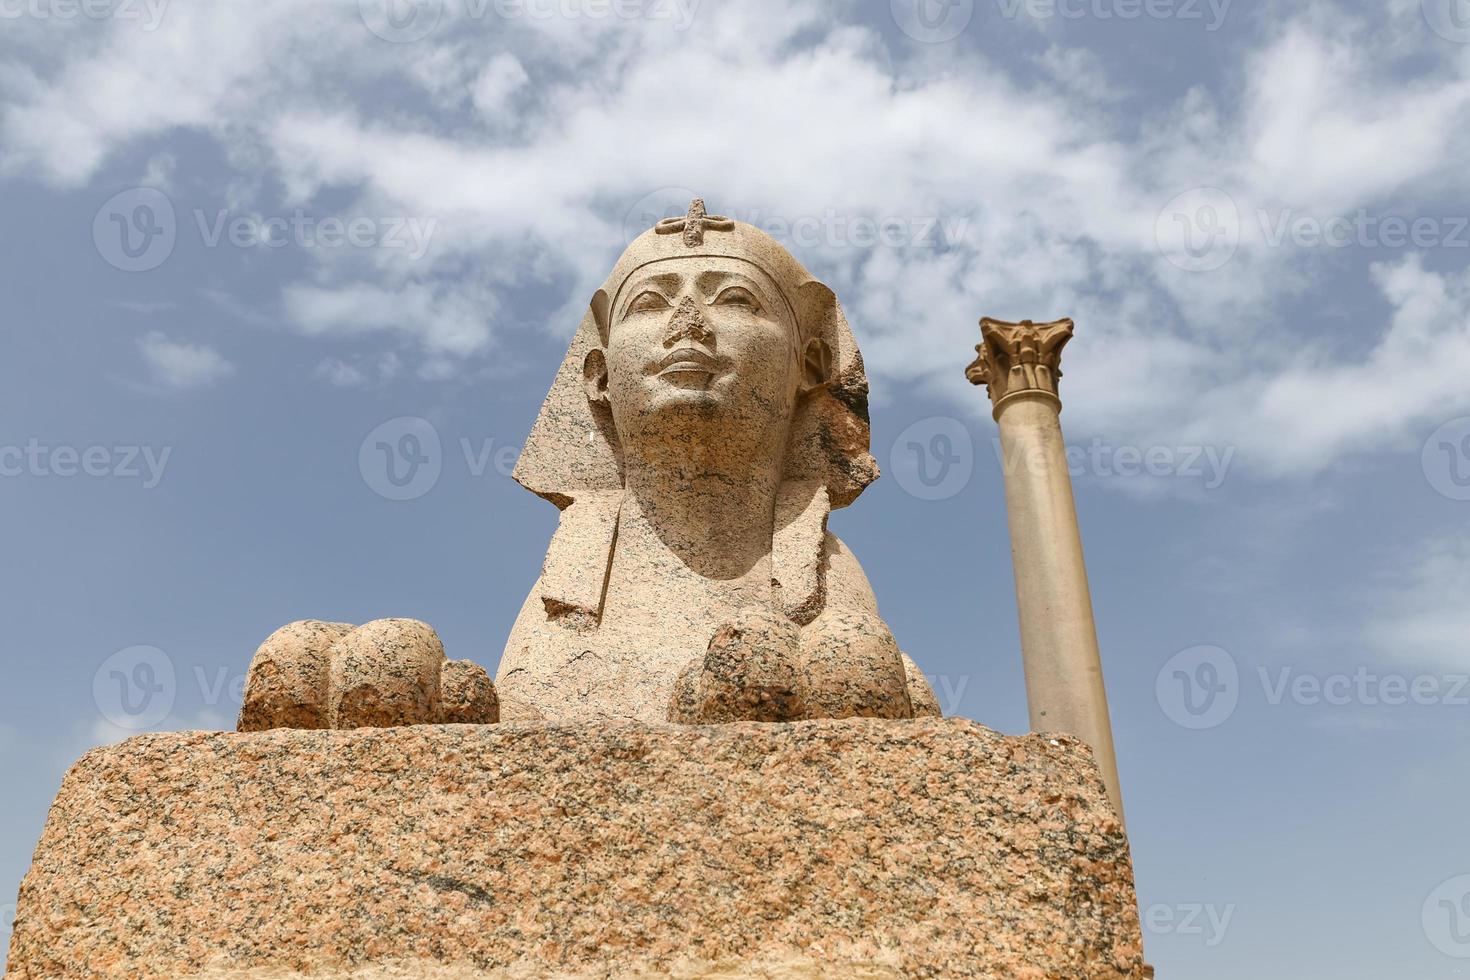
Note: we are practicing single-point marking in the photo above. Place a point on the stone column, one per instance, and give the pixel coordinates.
(1021, 365)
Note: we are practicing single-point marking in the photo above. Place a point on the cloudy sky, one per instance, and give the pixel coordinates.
(247, 242)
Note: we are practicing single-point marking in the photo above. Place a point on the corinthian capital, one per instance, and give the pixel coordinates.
(1017, 357)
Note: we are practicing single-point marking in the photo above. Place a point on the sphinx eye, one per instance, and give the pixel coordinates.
(648, 301)
(738, 296)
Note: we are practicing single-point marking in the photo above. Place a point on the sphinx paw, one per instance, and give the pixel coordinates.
(750, 672)
(382, 674)
(286, 686)
(921, 694)
(467, 694)
(853, 669)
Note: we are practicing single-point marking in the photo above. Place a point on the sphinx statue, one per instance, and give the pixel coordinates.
(710, 413)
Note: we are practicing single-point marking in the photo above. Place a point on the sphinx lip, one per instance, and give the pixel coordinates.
(688, 360)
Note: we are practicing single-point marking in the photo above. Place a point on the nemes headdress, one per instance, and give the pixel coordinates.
(571, 457)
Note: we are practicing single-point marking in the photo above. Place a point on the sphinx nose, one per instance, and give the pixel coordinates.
(688, 321)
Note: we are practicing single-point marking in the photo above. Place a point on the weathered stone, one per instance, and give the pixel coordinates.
(467, 696)
(834, 848)
(921, 694)
(286, 686)
(684, 703)
(751, 671)
(385, 673)
(853, 669)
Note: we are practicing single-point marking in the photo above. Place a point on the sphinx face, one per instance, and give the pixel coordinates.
(701, 353)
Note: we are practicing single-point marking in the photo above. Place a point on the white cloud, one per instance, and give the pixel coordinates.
(144, 307)
(340, 374)
(498, 81)
(1081, 72)
(180, 365)
(1421, 617)
(446, 322)
(160, 172)
(360, 372)
(526, 145)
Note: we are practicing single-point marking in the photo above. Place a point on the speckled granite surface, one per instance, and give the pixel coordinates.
(860, 847)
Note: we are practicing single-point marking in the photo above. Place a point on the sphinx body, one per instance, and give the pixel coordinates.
(711, 411)
(661, 614)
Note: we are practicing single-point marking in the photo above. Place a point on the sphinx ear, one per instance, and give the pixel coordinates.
(594, 376)
(816, 365)
(601, 309)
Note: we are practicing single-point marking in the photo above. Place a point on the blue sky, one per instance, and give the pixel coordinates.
(246, 242)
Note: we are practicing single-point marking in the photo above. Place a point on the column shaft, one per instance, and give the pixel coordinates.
(1064, 682)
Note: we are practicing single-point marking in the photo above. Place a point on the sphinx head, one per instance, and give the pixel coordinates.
(707, 333)
(703, 356)
(708, 337)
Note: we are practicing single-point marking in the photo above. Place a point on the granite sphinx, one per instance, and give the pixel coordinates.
(709, 414)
